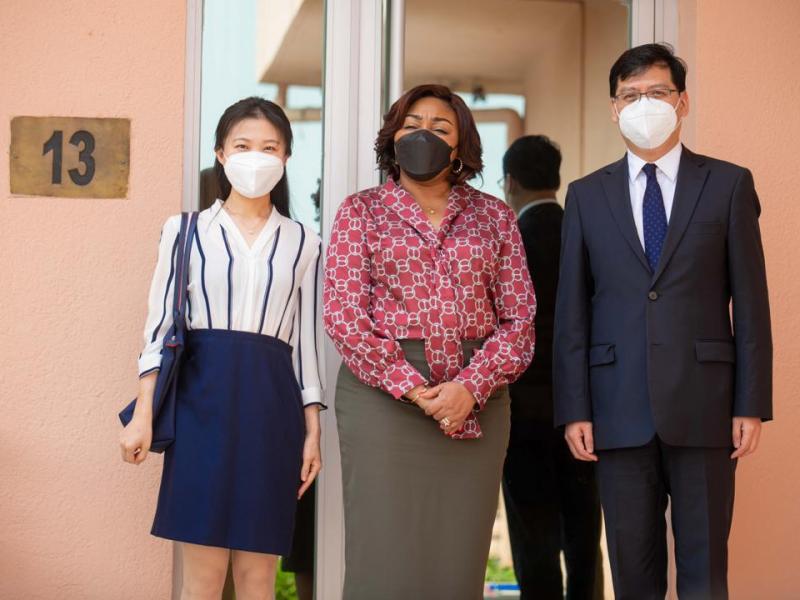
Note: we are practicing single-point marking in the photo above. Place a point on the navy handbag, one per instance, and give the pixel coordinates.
(164, 396)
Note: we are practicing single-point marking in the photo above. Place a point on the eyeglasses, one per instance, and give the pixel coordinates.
(501, 182)
(655, 94)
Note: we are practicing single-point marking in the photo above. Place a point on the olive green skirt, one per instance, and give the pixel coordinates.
(419, 506)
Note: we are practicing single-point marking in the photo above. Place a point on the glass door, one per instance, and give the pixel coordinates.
(524, 68)
(335, 65)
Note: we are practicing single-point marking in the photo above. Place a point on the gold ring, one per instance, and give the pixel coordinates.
(445, 422)
(418, 394)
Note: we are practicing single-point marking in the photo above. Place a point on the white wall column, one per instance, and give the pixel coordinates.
(654, 21)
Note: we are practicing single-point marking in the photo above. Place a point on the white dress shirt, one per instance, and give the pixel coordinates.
(533, 203)
(666, 175)
(268, 288)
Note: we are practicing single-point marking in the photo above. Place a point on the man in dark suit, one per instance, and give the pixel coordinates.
(551, 498)
(663, 349)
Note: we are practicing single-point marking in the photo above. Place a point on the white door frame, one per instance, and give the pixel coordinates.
(190, 198)
(352, 115)
(653, 21)
(191, 105)
(359, 65)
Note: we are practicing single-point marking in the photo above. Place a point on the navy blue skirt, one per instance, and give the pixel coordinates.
(231, 477)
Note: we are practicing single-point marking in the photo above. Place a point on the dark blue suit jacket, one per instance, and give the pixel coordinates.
(639, 352)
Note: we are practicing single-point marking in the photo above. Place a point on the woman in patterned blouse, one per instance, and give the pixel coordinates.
(429, 301)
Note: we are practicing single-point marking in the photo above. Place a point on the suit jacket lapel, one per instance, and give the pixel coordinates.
(692, 175)
(618, 194)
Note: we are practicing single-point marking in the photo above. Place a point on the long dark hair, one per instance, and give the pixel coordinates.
(254, 108)
(469, 141)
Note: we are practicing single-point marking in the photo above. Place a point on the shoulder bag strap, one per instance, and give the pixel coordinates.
(182, 276)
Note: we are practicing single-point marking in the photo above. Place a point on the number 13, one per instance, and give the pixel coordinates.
(55, 144)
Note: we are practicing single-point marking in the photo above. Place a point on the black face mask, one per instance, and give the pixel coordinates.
(422, 155)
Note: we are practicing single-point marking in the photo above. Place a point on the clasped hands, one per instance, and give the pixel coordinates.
(449, 403)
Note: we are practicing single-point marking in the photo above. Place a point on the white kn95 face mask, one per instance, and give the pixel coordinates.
(253, 174)
(648, 123)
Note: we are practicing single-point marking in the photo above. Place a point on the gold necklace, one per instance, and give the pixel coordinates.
(250, 230)
(427, 209)
(254, 230)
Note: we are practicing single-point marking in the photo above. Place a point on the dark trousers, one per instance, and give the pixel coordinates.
(634, 486)
(552, 505)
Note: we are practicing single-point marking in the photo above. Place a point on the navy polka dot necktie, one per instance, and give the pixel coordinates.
(655, 217)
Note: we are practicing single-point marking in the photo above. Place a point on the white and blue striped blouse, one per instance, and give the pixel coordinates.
(269, 288)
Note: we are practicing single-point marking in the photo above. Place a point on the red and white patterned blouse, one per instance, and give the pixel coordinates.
(390, 275)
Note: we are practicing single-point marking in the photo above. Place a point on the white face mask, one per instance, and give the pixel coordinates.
(253, 174)
(648, 123)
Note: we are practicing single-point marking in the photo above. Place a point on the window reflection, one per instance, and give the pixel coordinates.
(252, 47)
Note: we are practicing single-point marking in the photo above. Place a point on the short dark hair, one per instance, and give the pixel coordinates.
(636, 60)
(534, 161)
(254, 108)
(469, 141)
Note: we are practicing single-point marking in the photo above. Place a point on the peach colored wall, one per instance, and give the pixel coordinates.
(745, 59)
(75, 520)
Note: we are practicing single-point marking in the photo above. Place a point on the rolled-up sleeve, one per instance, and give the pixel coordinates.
(306, 333)
(159, 303)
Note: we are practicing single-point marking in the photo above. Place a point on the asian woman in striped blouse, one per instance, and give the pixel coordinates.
(247, 437)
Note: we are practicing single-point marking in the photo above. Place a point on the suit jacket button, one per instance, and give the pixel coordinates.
(653, 295)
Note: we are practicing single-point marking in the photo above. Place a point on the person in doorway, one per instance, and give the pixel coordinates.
(657, 378)
(551, 498)
(209, 188)
(428, 299)
(247, 436)
(301, 560)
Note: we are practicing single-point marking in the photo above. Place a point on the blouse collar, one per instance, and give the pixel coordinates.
(273, 222)
(397, 198)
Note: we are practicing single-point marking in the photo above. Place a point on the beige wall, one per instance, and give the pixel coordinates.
(566, 86)
(553, 96)
(74, 520)
(745, 103)
(605, 25)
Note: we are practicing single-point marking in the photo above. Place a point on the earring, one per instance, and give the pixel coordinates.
(460, 167)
